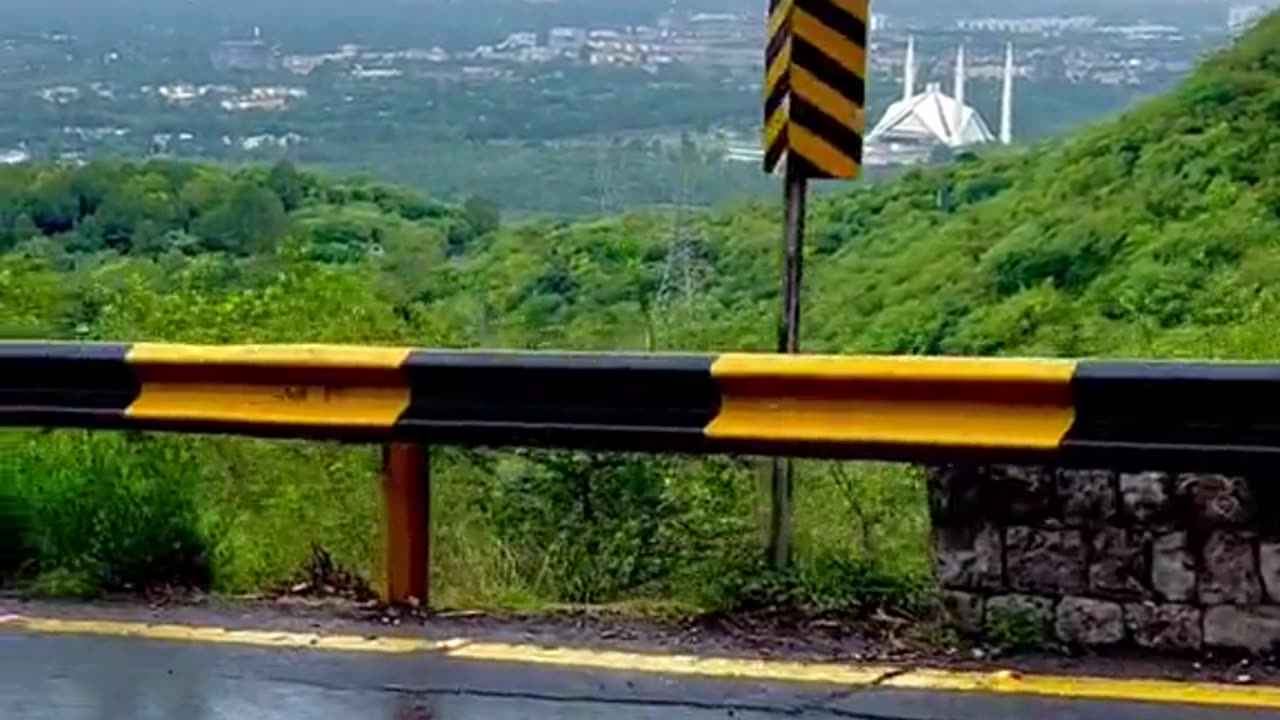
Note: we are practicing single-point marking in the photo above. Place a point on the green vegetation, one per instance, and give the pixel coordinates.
(169, 251)
(1153, 235)
(1018, 630)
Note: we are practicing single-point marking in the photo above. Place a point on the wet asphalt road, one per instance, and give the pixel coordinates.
(63, 677)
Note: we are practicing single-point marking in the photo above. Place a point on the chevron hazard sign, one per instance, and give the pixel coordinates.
(815, 87)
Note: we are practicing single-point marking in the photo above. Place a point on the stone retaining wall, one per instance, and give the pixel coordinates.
(1160, 560)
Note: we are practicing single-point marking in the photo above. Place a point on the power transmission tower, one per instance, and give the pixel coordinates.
(606, 181)
(685, 272)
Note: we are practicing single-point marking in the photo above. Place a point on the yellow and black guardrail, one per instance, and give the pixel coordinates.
(883, 407)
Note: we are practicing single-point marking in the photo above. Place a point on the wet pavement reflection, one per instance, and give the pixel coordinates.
(61, 678)
(65, 677)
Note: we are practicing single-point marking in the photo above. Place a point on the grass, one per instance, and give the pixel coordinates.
(1017, 631)
(107, 510)
(90, 512)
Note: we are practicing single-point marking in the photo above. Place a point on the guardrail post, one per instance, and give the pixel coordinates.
(406, 493)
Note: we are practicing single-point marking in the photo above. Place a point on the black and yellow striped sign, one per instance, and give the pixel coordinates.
(815, 87)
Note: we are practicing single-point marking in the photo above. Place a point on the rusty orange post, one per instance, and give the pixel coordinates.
(406, 493)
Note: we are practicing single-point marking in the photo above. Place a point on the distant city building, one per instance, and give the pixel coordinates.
(259, 142)
(60, 95)
(744, 153)
(73, 158)
(567, 40)
(181, 94)
(879, 21)
(719, 28)
(14, 156)
(1144, 31)
(376, 73)
(95, 133)
(914, 128)
(517, 41)
(263, 98)
(243, 55)
(1029, 25)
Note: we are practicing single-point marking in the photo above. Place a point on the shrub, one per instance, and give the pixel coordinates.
(15, 534)
(588, 527)
(833, 584)
(591, 521)
(1017, 630)
(114, 511)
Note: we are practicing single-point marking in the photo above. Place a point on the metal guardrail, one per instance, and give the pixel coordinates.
(903, 408)
(906, 408)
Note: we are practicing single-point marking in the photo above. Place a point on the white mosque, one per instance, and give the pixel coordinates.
(914, 127)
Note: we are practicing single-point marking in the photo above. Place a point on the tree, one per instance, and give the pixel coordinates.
(251, 221)
(482, 214)
(203, 193)
(141, 206)
(285, 181)
(53, 205)
(91, 185)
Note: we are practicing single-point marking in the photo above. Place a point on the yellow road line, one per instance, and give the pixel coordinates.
(1168, 692)
(685, 665)
(224, 636)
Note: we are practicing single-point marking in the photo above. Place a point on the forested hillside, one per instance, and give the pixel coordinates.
(1151, 235)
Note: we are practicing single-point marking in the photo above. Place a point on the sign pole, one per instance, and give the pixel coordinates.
(782, 480)
(814, 119)
(793, 261)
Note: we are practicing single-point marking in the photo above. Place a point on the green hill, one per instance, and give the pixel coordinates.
(1155, 234)
(1152, 234)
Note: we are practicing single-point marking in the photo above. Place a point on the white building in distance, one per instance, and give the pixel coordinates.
(920, 124)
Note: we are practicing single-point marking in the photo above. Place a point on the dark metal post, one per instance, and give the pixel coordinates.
(780, 510)
(406, 492)
(793, 263)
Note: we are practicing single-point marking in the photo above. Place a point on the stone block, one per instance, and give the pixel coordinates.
(1002, 609)
(1119, 566)
(1145, 497)
(1164, 627)
(1230, 570)
(968, 558)
(1087, 497)
(1266, 498)
(1173, 568)
(1049, 561)
(1269, 566)
(964, 610)
(955, 494)
(1081, 621)
(1018, 494)
(1210, 501)
(1256, 629)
